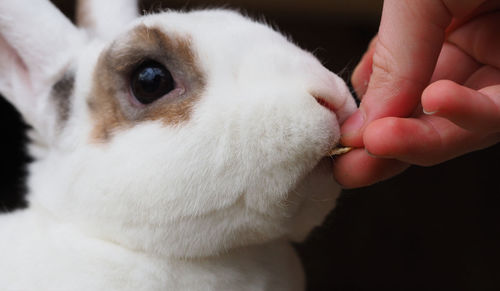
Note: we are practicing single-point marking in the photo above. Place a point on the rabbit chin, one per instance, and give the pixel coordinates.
(317, 194)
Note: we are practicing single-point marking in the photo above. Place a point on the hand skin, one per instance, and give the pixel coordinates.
(430, 83)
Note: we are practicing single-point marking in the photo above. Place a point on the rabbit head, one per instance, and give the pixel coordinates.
(178, 133)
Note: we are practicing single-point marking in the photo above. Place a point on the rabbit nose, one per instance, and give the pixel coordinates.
(341, 103)
(332, 93)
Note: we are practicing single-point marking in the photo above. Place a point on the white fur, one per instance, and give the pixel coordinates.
(105, 19)
(209, 204)
(36, 42)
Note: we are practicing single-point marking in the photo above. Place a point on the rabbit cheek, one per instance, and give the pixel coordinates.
(108, 103)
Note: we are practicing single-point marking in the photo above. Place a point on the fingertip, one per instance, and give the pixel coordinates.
(357, 169)
(436, 97)
(351, 129)
(465, 107)
(406, 139)
(383, 136)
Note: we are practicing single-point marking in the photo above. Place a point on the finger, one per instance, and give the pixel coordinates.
(479, 38)
(362, 72)
(410, 38)
(358, 169)
(463, 9)
(426, 141)
(470, 109)
(446, 67)
(485, 76)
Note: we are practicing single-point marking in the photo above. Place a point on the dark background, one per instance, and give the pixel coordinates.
(434, 228)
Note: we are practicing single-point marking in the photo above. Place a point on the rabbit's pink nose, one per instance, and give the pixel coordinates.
(332, 93)
(341, 107)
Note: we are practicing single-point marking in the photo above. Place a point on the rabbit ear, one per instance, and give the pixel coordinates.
(36, 41)
(105, 19)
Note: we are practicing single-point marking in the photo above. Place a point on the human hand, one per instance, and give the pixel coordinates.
(454, 47)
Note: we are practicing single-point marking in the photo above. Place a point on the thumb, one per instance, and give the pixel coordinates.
(410, 38)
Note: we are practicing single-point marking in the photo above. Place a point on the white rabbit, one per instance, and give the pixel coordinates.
(174, 151)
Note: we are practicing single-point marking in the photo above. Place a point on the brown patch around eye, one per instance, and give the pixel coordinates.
(108, 101)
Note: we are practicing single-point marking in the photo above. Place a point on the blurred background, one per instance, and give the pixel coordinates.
(434, 228)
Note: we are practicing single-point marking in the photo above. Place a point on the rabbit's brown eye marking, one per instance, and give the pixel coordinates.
(124, 69)
(151, 81)
(61, 92)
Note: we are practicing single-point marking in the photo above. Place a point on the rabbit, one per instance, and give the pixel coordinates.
(182, 150)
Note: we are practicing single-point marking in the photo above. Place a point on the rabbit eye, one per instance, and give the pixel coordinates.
(151, 81)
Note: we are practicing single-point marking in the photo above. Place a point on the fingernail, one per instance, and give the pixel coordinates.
(370, 154)
(354, 123)
(430, 112)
